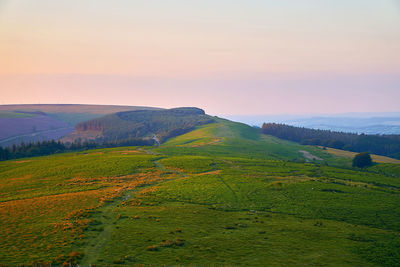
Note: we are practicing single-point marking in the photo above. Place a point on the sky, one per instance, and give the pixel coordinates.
(225, 56)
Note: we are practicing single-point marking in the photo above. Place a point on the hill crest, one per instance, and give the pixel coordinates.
(144, 124)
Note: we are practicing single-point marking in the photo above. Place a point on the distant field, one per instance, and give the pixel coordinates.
(10, 114)
(71, 108)
(31, 128)
(349, 154)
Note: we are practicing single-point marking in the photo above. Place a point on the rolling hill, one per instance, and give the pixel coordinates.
(22, 126)
(31, 123)
(160, 124)
(222, 194)
(363, 122)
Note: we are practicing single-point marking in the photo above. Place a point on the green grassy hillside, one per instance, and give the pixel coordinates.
(222, 195)
(227, 138)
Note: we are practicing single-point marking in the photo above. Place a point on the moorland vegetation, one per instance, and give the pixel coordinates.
(223, 194)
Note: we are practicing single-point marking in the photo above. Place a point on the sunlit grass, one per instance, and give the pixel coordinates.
(222, 194)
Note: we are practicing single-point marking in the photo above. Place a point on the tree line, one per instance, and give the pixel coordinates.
(386, 145)
(141, 123)
(52, 147)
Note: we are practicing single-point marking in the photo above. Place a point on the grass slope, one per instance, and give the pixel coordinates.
(222, 194)
(227, 138)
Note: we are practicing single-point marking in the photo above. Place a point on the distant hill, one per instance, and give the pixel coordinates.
(73, 108)
(72, 113)
(160, 124)
(385, 145)
(31, 123)
(20, 127)
(368, 123)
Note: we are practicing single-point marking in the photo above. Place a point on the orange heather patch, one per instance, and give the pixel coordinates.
(175, 169)
(149, 190)
(22, 161)
(11, 182)
(25, 223)
(25, 177)
(208, 173)
(214, 141)
(125, 152)
(48, 226)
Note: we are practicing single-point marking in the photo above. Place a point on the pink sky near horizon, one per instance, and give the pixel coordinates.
(228, 57)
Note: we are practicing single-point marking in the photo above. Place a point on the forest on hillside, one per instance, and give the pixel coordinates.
(131, 128)
(385, 145)
(145, 123)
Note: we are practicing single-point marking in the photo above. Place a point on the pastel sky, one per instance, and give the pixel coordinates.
(226, 56)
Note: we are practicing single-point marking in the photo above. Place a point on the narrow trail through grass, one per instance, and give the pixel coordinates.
(106, 217)
(229, 187)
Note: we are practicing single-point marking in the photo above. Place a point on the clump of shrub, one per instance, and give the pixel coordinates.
(362, 160)
(318, 223)
(153, 248)
(167, 244)
(173, 243)
(277, 184)
(97, 229)
(95, 222)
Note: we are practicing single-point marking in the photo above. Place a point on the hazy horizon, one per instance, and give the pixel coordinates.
(227, 57)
